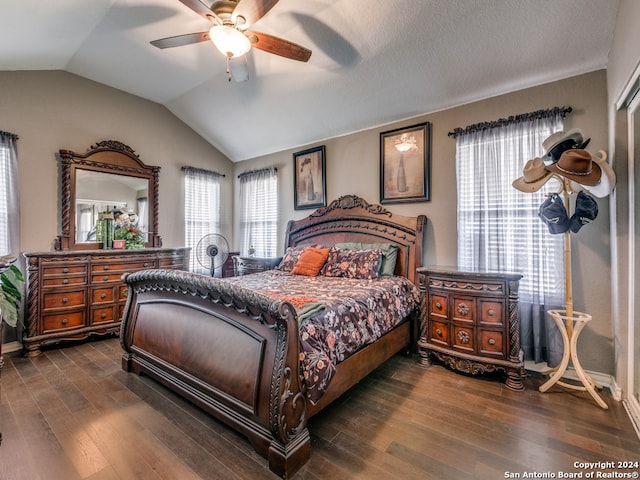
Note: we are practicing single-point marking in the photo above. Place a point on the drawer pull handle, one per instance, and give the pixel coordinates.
(492, 341)
(106, 279)
(103, 316)
(439, 332)
(491, 312)
(65, 300)
(463, 309)
(438, 305)
(146, 264)
(64, 321)
(65, 270)
(103, 296)
(106, 267)
(65, 281)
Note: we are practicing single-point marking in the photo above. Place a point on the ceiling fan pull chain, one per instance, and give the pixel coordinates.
(228, 69)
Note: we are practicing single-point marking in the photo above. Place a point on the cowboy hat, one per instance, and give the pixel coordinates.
(534, 176)
(557, 143)
(578, 166)
(607, 181)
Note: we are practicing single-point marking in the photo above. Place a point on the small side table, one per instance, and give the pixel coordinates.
(470, 321)
(570, 328)
(246, 265)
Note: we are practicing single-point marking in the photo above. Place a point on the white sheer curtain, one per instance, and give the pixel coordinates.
(499, 228)
(201, 210)
(9, 196)
(259, 212)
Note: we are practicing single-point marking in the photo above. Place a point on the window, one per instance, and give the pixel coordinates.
(201, 210)
(259, 212)
(9, 197)
(498, 226)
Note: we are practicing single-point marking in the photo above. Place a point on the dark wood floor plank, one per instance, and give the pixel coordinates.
(72, 413)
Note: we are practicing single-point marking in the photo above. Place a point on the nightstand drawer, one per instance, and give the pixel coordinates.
(102, 315)
(439, 305)
(492, 343)
(464, 309)
(439, 333)
(464, 339)
(492, 313)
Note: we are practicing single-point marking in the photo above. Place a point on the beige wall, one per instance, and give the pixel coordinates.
(624, 59)
(53, 110)
(353, 167)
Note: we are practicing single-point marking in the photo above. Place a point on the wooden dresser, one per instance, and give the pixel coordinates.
(471, 321)
(72, 295)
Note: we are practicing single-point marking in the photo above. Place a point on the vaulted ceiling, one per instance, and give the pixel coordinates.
(373, 62)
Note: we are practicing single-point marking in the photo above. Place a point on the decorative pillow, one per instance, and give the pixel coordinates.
(364, 264)
(311, 261)
(389, 254)
(291, 256)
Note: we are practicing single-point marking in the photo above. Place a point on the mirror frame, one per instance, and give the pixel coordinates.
(109, 156)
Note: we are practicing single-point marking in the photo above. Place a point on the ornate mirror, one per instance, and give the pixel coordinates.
(108, 177)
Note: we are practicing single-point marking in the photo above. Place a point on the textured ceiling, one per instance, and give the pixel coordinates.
(373, 61)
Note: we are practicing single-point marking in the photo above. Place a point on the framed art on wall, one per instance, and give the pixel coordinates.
(309, 182)
(404, 164)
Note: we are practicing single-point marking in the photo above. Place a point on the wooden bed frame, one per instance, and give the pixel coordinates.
(235, 355)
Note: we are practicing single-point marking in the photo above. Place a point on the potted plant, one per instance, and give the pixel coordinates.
(11, 291)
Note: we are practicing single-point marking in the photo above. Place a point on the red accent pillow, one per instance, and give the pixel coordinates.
(311, 261)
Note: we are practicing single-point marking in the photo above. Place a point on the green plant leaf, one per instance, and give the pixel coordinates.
(9, 311)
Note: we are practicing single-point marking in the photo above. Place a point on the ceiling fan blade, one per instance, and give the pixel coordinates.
(181, 40)
(279, 46)
(198, 7)
(252, 10)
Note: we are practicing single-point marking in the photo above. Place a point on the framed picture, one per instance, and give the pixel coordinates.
(309, 182)
(404, 164)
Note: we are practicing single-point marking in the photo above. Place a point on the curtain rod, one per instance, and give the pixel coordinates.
(260, 170)
(8, 134)
(538, 114)
(202, 171)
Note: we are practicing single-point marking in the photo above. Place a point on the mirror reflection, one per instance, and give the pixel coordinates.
(98, 192)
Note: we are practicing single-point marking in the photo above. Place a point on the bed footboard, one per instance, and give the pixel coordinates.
(232, 352)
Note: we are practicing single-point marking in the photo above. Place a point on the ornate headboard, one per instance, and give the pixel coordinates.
(351, 219)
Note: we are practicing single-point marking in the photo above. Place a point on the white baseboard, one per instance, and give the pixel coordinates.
(570, 374)
(11, 347)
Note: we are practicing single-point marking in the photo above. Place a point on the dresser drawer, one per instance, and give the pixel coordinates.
(132, 266)
(106, 277)
(62, 321)
(102, 295)
(58, 270)
(102, 315)
(64, 281)
(52, 300)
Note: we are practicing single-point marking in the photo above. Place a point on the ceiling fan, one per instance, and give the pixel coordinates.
(229, 32)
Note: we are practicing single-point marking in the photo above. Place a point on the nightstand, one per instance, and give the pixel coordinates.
(470, 321)
(246, 265)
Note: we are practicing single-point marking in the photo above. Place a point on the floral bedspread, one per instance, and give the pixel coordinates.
(337, 316)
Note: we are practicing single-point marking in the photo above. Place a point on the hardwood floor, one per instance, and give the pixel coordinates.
(72, 413)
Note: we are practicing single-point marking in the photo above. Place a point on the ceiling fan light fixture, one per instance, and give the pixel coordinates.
(231, 42)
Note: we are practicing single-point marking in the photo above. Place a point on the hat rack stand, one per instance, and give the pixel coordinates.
(570, 323)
